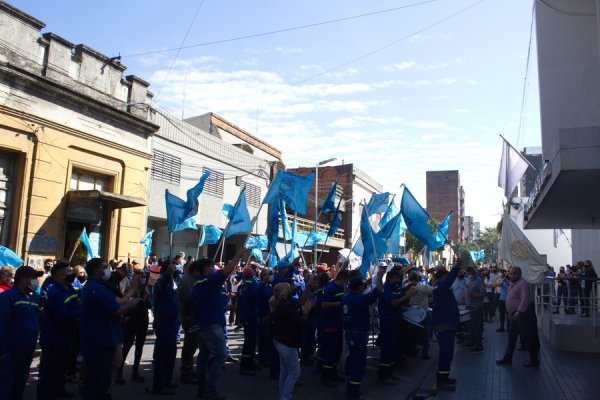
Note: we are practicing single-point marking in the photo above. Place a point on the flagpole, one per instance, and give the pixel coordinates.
(201, 230)
(76, 245)
(254, 220)
(524, 158)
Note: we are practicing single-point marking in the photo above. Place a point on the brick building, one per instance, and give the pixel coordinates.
(445, 193)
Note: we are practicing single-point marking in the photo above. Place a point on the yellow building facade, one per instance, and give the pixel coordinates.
(75, 147)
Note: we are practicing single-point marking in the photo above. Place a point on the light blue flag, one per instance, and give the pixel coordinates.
(378, 203)
(440, 234)
(239, 218)
(273, 258)
(258, 242)
(291, 188)
(477, 255)
(193, 194)
(390, 213)
(177, 219)
(85, 241)
(258, 255)
(9, 257)
(308, 239)
(329, 203)
(390, 234)
(358, 247)
(418, 221)
(210, 235)
(371, 244)
(147, 242)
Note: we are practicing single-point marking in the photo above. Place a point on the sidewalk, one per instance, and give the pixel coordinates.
(562, 375)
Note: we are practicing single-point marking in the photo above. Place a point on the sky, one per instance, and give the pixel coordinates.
(405, 87)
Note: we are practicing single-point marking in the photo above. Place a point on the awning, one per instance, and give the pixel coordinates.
(115, 200)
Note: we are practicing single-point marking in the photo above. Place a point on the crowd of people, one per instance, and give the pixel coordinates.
(291, 315)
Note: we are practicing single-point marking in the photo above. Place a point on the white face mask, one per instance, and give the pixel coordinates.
(270, 278)
(106, 274)
(33, 284)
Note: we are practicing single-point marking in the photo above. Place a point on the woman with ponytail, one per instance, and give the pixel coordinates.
(288, 326)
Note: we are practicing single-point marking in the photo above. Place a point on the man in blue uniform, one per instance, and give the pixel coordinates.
(209, 322)
(390, 304)
(19, 315)
(248, 300)
(445, 319)
(356, 316)
(331, 339)
(100, 328)
(59, 324)
(166, 327)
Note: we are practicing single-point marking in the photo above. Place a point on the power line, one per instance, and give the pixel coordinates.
(380, 49)
(524, 95)
(572, 14)
(180, 47)
(332, 21)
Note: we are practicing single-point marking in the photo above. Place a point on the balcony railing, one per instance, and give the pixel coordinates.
(306, 225)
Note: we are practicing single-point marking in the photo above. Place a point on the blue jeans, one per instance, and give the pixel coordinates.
(290, 369)
(211, 357)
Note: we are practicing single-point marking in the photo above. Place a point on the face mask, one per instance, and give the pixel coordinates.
(33, 285)
(143, 281)
(271, 278)
(106, 274)
(70, 278)
(82, 278)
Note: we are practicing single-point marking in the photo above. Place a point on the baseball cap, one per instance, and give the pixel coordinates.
(27, 272)
(247, 271)
(322, 268)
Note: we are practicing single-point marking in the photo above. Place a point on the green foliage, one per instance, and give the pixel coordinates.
(412, 243)
(489, 243)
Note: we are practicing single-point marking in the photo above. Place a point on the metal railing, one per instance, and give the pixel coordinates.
(551, 298)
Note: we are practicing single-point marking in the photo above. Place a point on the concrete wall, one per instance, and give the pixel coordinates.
(568, 65)
(586, 246)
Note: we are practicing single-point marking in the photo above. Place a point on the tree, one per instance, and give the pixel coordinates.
(489, 243)
(412, 243)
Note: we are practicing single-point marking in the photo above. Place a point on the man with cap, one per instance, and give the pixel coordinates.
(100, 327)
(59, 324)
(209, 322)
(19, 315)
(248, 297)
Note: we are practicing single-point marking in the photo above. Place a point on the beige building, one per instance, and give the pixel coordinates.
(75, 146)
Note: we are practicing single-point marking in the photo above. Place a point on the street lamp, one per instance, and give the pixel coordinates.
(317, 201)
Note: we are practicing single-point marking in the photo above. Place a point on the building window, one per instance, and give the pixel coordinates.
(252, 195)
(165, 167)
(214, 184)
(81, 180)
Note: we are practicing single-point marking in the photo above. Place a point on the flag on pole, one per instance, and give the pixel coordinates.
(9, 257)
(335, 223)
(390, 234)
(258, 242)
(512, 167)
(329, 203)
(291, 188)
(477, 255)
(193, 194)
(85, 240)
(518, 251)
(239, 218)
(177, 219)
(285, 226)
(147, 242)
(378, 203)
(210, 235)
(372, 244)
(309, 239)
(419, 224)
(390, 213)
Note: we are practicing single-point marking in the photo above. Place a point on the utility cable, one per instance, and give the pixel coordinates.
(332, 21)
(180, 47)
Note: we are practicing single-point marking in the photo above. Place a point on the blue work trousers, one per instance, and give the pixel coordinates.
(357, 361)
(388, 338)
(330, 348)
(165, 351)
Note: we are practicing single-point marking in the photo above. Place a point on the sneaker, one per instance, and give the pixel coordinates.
(477, 349)
(504, 361)
(232, 359)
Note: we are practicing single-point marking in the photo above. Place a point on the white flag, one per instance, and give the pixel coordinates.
(512, 167)
(518, 251)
